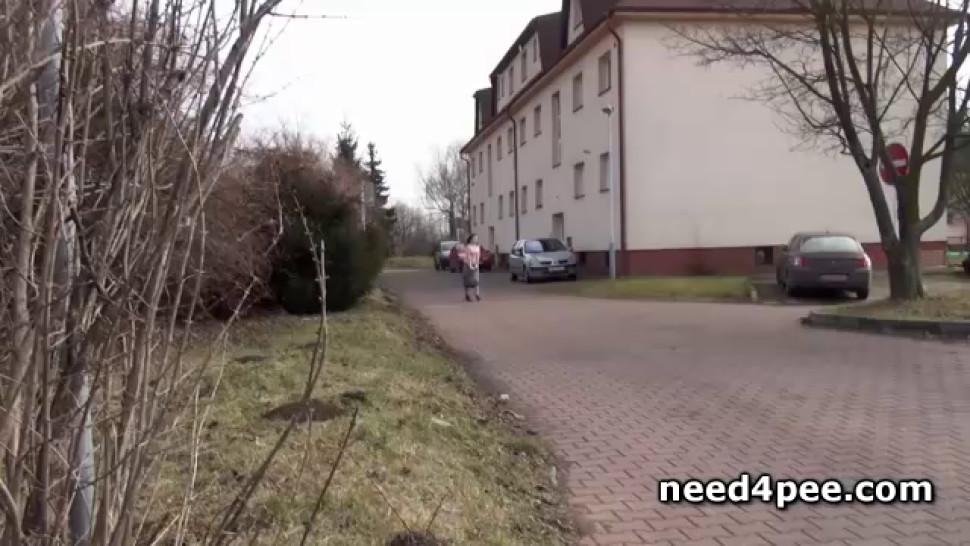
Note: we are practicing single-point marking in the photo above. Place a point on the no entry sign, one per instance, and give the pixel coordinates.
(900, 162)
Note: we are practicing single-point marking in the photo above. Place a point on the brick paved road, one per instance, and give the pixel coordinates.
(630, 393)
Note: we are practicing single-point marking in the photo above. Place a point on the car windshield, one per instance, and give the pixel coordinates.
(544, 245)
(830, 244)
(446, 247)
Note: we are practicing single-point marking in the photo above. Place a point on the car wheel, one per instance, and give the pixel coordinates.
(528, 277)
(574, 278)
(790, 290)
(862, 294)
(513, 277)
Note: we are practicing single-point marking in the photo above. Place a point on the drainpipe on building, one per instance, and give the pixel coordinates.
(515, 167)
(621, 137)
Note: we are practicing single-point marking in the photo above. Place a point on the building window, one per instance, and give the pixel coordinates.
(524, 200)
(538, 194)
(511, 204)
(606, 72)
(481, 162)
(501, 206)
(473, 217)
(605, 172)
(473, 165)
(535, 49)
(512, 79)
(501, 87)
(511, 136)
(578, 92)
(489, 170)
(577, 16)
(537, 120)
(525, 66)
(578, 183)
(556, 130)
(481, 213)
(522, 131)
(499, 148)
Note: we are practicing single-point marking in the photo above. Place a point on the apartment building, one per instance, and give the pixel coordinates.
(591, 115)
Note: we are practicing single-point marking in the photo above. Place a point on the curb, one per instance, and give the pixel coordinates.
(949, 330)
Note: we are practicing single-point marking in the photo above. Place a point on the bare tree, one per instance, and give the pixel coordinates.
(446, 187)
(114, 126)
(413, 232)
(960, 192)
(857, 75)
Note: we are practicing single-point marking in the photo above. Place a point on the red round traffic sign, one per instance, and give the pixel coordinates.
(900, 162)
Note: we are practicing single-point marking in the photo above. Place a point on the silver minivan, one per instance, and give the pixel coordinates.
(541, 259)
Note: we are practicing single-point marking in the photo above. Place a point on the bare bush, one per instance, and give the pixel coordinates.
(114, 128)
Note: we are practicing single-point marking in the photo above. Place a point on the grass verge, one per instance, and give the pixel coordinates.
(950, 306)
(409, 262)
(662, 288)
(426, 447)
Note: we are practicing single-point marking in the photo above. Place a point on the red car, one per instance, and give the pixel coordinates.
(454, 259)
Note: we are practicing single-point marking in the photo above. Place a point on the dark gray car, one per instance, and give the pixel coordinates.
(825, 261)
(540, 259)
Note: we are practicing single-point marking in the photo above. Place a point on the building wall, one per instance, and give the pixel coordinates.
(710, 177)
(706, 168)
(585, 137)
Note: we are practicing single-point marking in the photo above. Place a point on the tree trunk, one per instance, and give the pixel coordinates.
(452, 224)
(905, 273)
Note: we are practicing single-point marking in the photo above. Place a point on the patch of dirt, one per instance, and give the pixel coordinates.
(252, 359)
(354, 396)
(312, 410)
(414, 538)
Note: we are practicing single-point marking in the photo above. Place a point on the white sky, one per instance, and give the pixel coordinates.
(401, 71)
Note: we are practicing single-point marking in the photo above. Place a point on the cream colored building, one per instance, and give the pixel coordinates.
(703, 181)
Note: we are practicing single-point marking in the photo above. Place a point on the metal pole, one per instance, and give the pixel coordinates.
(612, 196)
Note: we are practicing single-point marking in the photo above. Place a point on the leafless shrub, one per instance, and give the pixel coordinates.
(115, 126)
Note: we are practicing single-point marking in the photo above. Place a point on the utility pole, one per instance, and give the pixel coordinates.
(609, 111)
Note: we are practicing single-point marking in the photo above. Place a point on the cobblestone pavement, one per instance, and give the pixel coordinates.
(630, 393)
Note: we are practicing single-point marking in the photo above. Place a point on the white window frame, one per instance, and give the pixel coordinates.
(605, 60)
(578, 99)
(579, 182)
(605, 172)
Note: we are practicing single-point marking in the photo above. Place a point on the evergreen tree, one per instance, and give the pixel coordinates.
(376, 176)
(347, 145)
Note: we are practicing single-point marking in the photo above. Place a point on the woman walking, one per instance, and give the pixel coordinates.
(471, 257)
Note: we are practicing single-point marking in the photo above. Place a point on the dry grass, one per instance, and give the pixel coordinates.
(662, 288)
(409, 262)
(949, 306)
(424, 439)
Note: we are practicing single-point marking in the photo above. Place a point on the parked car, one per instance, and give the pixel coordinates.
(825, 261)
(442, 254)
(486, 264)
(541, 259)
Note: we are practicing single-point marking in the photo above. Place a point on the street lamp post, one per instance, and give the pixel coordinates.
(609, 110)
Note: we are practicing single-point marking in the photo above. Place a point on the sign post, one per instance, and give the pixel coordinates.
(899, 156)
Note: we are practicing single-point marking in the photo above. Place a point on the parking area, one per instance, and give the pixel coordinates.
(630, 393)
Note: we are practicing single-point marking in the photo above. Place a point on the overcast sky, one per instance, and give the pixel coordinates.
(401, 71)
